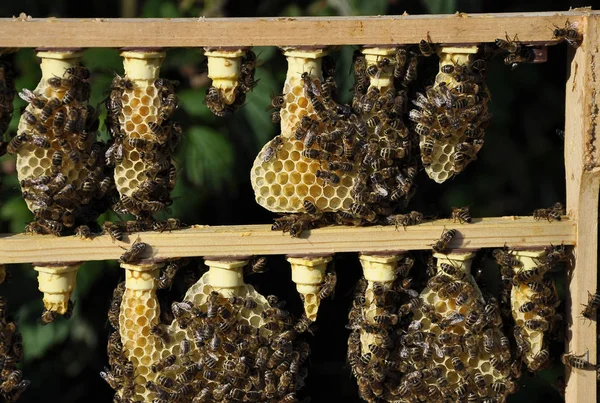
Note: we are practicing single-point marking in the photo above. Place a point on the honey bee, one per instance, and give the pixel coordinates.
(472, 345)
(271, 151)
(509, 45)
(327, 288)
(575, 361)
(442, 244)
(591, 309)
(540, 360)
(327, 176)
(310, 87)
(452, 270)
(110, 378)
(569, 34)
(164, 363)
(526, 55)
(461, 214)
(553, 213)
(451, 320)
(411, 68)
(113, 230)
(425, 46)
(17, 142)
(413, 218)
(537, 325)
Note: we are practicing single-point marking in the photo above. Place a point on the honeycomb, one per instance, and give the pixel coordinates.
(12, 384)
(493, 364)
(309, 275)
(57, 283)
(140, 107)
(65, 192)
(453, 111)
(139, 312)
(522, 294)
(145, 341)
(225, 70)
(232, 75)
(281, 184)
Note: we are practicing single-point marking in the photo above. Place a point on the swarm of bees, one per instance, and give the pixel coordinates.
(152, 141)
(211, 351)
(12, 384)
(451, 116)
(246, 83)
(70, 187)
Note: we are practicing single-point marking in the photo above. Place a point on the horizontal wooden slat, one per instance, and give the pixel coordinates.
(260, 240)
(284, 31)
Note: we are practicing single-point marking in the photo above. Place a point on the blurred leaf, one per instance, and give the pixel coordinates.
(193, 102)
(16, 212)
(264, 53)
(257, 101)
(372, 7)
(39, 339)
(209, 158)
(440, 6)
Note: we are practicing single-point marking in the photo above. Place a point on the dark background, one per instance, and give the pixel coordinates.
(519, 169)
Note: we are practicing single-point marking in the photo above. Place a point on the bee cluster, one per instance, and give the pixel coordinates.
(61, 170)
(143, 139)
(450, 342)
(208, 347)
(12, 384)
(376, 325)
(385, 148)
(451, 116)
(533, 298)
(218, 104)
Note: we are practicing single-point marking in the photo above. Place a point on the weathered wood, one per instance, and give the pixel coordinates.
(583, 185)
(284, 31)
(260, 240)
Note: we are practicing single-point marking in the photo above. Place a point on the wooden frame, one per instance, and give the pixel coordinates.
(582, 153)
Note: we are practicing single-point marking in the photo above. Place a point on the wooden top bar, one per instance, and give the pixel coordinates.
(260, 240)
(283, 31)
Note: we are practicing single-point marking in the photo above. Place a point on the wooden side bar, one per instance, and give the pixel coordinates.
(583, 185)
(298, 31)
(260, 240)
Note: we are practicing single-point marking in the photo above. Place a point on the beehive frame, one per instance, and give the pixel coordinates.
(582, 155)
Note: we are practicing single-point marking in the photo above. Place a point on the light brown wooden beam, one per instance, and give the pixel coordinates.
(260, 240)
(583, 185)
(284, 31)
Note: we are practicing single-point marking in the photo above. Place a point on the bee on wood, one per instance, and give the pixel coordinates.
(426, 47)
(526, 55)
(113, 230)
(461, 214)
(412, 218)
(575, 361)
(509, 45)
(569, 34)
(591, 309)
(553, 213)
(442, 244)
